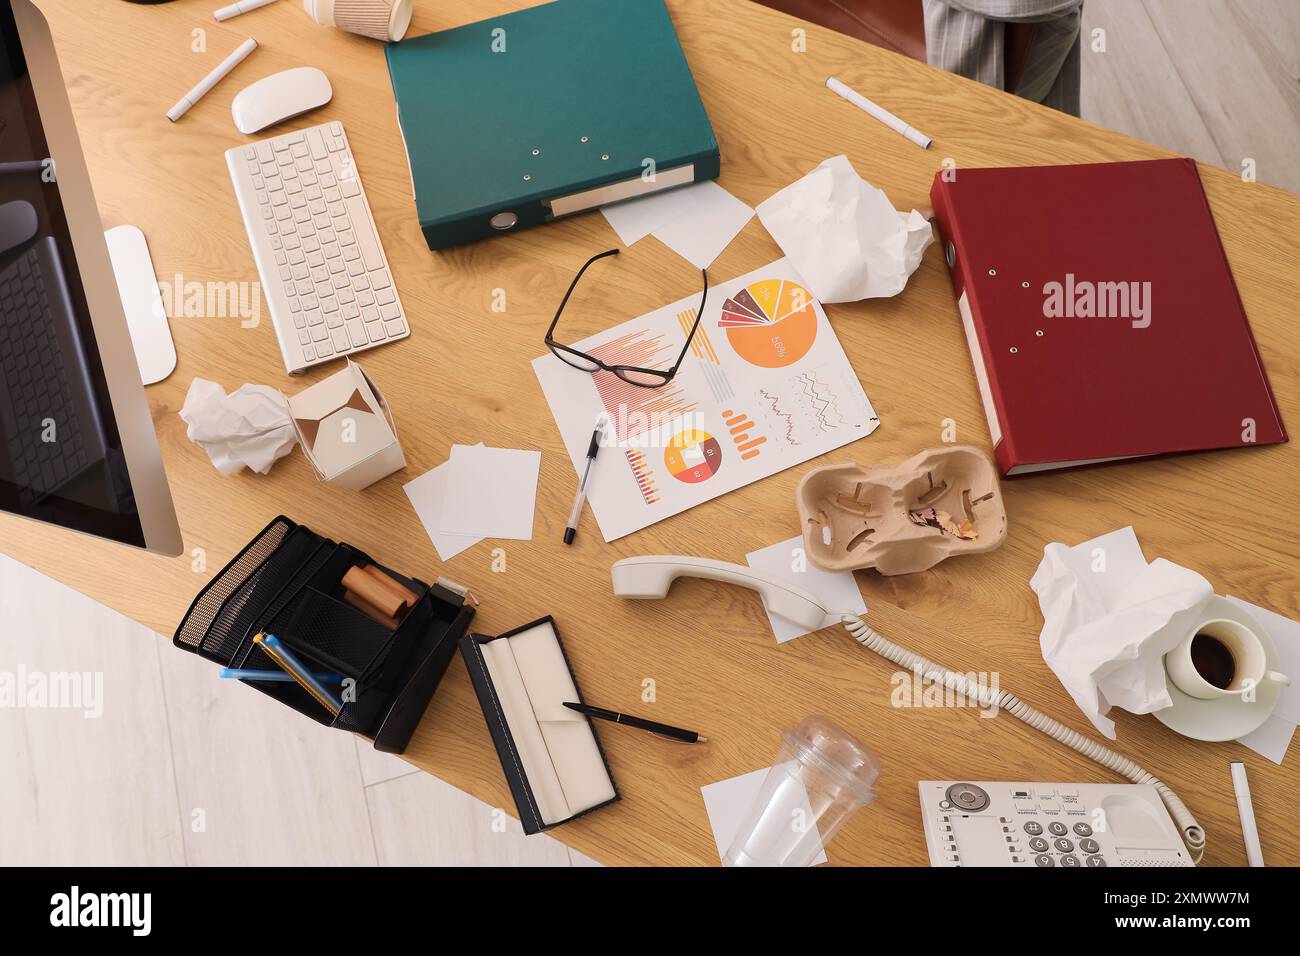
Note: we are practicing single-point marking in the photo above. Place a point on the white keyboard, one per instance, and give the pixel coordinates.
(324, 273)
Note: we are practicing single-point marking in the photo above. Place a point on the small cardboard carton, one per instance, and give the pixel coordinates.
(347, 430)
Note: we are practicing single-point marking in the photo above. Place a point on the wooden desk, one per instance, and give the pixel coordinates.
(464, 376)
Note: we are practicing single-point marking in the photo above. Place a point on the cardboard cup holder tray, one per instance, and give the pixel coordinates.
(287, 582)
(855, 516)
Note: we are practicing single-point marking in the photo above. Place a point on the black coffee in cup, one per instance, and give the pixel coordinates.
(1213, 660)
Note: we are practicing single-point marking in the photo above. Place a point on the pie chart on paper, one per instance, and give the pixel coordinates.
(770, 323)
(693, 456)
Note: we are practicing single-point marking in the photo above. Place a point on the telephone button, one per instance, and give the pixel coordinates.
(1069, 861)
(1096, 861)
(968, 797)
(1034, 828)
(1038, 845)
(1089, 846)
(1083, 829)
(1058, 829)
(1044, 860)
(1064, 845)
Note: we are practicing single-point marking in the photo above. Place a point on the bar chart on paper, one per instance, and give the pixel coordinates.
(632, 409)
(764, 385)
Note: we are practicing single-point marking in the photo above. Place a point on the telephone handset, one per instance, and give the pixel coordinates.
(651, 576)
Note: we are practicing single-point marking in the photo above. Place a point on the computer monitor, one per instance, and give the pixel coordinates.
(77, 444)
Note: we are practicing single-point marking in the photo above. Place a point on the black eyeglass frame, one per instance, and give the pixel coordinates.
(622, 371)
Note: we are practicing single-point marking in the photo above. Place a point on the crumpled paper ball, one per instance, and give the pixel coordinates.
(251, 427)
(844, 236)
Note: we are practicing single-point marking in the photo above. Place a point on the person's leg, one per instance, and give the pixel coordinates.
(967, 37)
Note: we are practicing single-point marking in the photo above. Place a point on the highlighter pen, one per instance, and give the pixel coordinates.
(1246, 810)
(572, 528)
(235, 9)
(286, 659)
(879, 112)
(212, 79)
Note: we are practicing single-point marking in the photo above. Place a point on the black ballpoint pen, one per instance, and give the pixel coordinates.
(676, 733)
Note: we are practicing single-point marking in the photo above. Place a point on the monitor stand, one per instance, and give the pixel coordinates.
(146, 315)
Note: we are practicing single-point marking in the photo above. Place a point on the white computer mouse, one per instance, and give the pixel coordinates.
(17, 223)
(280, 96)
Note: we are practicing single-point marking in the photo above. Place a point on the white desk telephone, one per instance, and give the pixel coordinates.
(651, 576)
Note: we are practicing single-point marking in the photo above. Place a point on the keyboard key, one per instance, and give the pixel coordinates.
(357, 334)
(395, 327)
(316, 144)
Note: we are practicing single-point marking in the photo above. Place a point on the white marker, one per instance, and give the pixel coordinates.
(212, 79)
(879, 112)
(235, 9)
(1246, 810)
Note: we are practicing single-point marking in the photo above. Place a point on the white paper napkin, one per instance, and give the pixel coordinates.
(843, 234)
(1109, 618)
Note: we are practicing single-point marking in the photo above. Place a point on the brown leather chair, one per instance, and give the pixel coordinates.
(897, 25)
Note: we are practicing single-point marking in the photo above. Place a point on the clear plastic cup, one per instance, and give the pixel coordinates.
(820, 777)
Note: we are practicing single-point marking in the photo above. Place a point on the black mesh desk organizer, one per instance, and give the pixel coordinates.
(286, 582)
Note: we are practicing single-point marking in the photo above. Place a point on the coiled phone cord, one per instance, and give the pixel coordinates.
(1193, 835)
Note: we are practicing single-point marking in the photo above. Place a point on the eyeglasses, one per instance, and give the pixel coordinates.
(632, 374)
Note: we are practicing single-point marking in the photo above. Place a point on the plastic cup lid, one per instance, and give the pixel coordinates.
(826, 745)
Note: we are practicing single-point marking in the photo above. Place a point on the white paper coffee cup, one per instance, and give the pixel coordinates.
(379, 19)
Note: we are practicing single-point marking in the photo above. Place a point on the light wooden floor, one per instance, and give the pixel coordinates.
(1218, 80)
(185, 768)
(179, 769)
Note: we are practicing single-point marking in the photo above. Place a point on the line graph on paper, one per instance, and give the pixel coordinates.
(815, 402)
(633, 409)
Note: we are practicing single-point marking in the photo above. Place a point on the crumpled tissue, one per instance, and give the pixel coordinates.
(249, 427)
(844, 236)
(1109, 618)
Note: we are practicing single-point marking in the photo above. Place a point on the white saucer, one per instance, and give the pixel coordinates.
(1225, 718)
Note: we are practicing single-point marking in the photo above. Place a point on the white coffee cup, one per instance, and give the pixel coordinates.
(1247, 671)
(379, 19)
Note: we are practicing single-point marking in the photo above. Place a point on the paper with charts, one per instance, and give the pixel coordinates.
(766, 385)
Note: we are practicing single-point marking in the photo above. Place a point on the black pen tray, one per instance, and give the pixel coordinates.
(287, 582)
